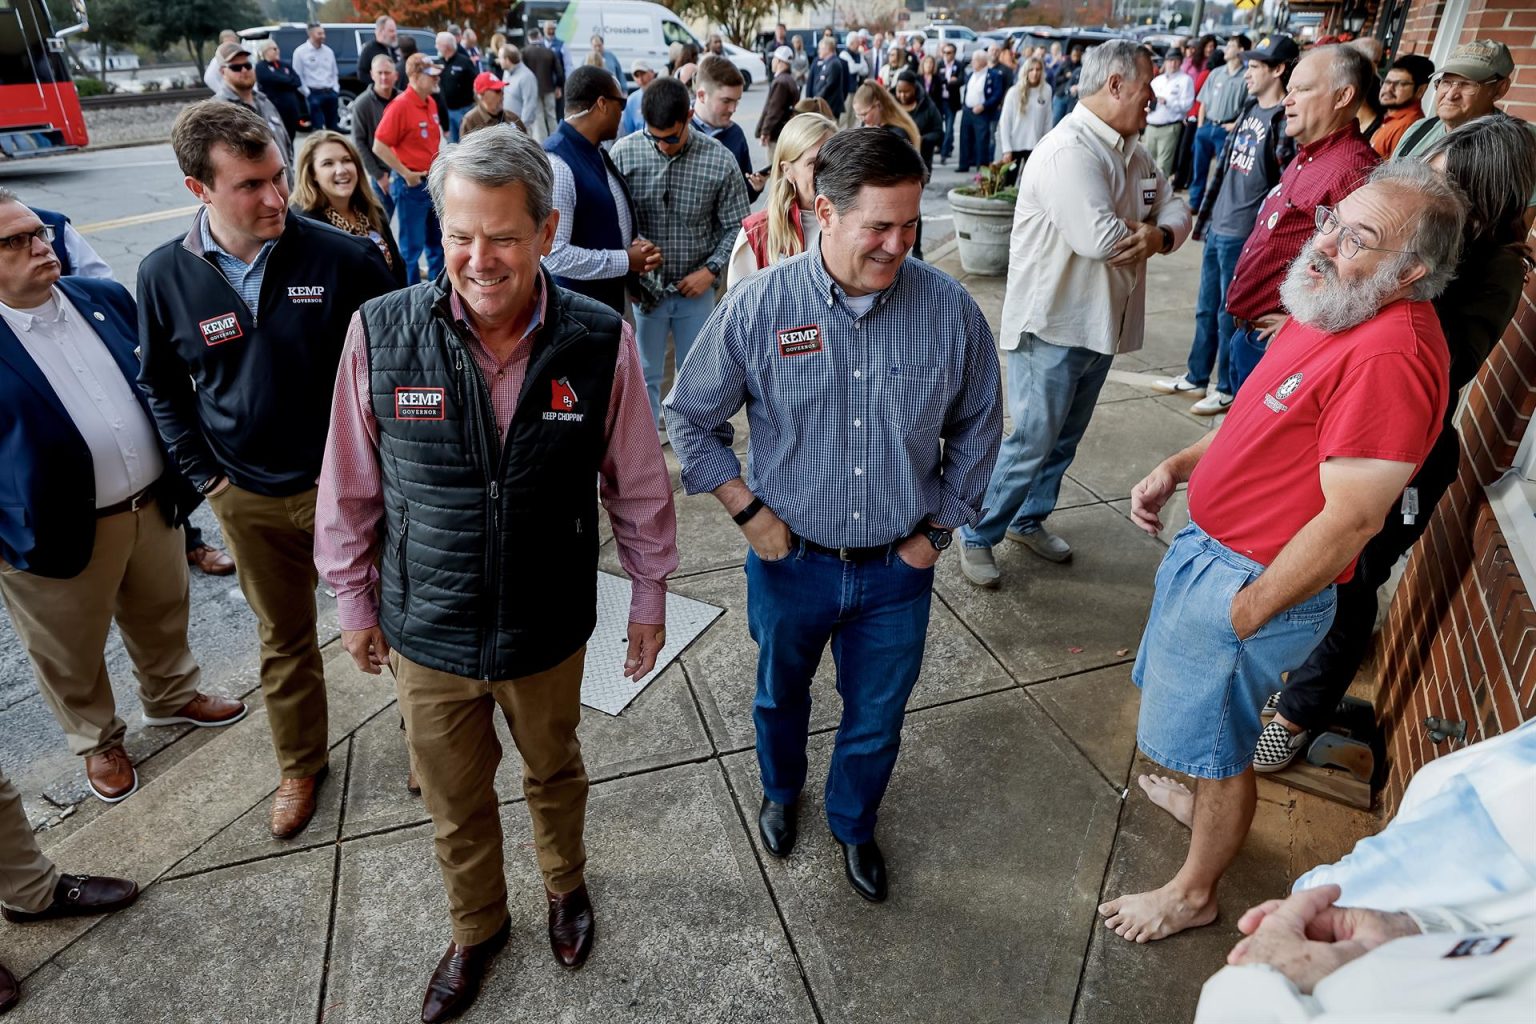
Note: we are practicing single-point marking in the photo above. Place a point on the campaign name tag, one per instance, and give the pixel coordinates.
(799, 341)
(1482, 945)
(217, 330)
(418, 403)
(306, 293)
(1148, 194)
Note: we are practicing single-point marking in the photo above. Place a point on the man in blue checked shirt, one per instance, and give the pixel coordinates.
(854, 364)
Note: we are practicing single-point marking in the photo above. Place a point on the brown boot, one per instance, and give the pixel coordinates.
(111, 774)
(294, 804)
(456, 982)
(204, 711)
(571, 928)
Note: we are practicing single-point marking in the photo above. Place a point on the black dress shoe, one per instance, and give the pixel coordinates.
(776, 824)
(865, 867)
(456, 982)
(571, 927)
(79, 895)
(10, 990)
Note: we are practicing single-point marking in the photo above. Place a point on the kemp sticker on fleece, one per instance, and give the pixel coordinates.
(219, 329)
(799, 341)
(418, 403)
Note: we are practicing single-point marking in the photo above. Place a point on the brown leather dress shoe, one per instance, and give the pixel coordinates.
(210, 561)
(10, 990)
(412, 784)
(80, 896)
(204, 711)
(571, 928)
(456, 982)
(111, 774)
(294, 804)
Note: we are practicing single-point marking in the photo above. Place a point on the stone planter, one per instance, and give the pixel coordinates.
(982, 227)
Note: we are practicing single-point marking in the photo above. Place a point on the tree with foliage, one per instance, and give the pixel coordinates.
(194, 22)
(483, 16)
(739, 18)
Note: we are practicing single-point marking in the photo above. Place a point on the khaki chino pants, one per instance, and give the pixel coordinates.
(27, 878)
(450, 727)
(273, 542)
(137, 575)
(1162, 142)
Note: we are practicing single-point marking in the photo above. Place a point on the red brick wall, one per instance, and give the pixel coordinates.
(1460, 639)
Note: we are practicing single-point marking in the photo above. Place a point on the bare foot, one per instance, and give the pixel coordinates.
(1171, 795)
(1158, 914)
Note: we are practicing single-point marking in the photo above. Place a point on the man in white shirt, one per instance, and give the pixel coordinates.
(1175, 92)
(522, 93)
(315, 64)
(1092, 209)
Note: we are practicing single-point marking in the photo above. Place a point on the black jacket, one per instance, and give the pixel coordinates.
(396, 264)
(280, 84)
(243, 396)
(779, 107)
(370, 50)
(457, 86)
(829, 80)
(930, 124)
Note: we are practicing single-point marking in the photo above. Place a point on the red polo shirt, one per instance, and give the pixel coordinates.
(1320, 175)
(1376, 391)
(409, 127)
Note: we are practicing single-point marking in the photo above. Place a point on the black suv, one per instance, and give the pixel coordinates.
(347, 39)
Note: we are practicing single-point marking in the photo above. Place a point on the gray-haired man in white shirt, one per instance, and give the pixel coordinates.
(1092, 209)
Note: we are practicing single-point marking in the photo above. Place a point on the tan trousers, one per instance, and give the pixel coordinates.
(451, 731)
(273, 543)
(1162, 142)
(27, 877)
(137, 575)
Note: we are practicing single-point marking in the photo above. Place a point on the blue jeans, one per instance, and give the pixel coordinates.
(456, 118)
(1210, 138)
(1243, 354)
(683, 319)
(975, 140)
(1202, 686)
(383, 196)
(419, 230)
(322, 110)
(1213, 324)
(1051, 393)
(1061, 106)
(875, 615)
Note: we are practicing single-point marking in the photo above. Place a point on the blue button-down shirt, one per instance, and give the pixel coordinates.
(846, 413)
(244, 277)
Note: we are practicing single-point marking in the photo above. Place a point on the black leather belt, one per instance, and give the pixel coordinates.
(850, 554)
(132, 503)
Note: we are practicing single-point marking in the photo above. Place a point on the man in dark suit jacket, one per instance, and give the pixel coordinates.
(829, 77)
(952, 75)
(89, 507)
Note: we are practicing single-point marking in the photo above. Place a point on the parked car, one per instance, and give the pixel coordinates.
(748, 63)
(940, 32)
(347, 39)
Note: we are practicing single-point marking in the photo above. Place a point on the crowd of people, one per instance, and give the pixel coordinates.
(401, 435)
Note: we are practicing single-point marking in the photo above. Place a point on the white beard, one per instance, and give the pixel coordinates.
(1333, 305)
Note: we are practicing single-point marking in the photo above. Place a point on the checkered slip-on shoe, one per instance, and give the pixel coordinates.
(1277, 748)
(1270, 708)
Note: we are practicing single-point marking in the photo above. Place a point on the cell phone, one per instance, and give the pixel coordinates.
(764, 171)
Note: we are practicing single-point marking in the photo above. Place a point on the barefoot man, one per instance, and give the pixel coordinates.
(1314, 454)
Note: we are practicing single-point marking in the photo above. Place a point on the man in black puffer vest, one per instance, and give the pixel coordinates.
(458, 524)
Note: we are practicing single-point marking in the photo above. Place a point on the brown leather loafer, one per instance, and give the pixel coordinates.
(571, 928)
(210, 561)
(294, 804)
(456, 982)
(80, 896)
(412, 784)
(204, 711)
(111, 774)
(10, 990)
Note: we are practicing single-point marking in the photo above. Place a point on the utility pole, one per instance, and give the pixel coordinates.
(1197, 18)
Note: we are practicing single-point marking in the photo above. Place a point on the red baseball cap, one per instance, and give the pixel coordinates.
(485, 80)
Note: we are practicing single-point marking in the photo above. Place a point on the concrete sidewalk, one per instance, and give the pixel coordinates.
(1006, 823)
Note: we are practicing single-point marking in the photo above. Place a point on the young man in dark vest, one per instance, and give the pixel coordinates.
(471, 416)
(595, 247)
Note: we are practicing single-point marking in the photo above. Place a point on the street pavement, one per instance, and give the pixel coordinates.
(1013, 811)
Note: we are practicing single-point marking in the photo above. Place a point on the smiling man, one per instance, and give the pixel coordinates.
(1314, 454)
(471, 419)
(871, 387)
(240, 325)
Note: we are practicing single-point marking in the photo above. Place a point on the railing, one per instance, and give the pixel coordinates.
(149, 98)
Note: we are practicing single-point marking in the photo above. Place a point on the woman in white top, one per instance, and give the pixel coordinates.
(786, 225)
(895, 64)
(800, 66)
(1026, 116)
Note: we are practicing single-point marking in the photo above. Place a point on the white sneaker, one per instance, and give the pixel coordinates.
(1211, 404)
(978, 566)
(1043, 543)
(1180, 385)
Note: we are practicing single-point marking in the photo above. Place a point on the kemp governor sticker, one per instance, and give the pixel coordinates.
(418, 403)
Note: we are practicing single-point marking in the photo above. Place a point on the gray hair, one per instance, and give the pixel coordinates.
(1437, 233)
(1115, 57)
(381, 21)
(1348, 68)
(1492, 159)
(7, 196)
(446, 37)
(496, 156)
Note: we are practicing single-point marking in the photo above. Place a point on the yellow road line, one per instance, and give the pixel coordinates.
(138, 218)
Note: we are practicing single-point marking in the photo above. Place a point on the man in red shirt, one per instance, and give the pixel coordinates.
(407, 141)
(1331, 160)
(1345, 406)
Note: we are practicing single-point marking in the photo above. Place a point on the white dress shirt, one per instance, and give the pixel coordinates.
(1175, 98)
(522, 94)
(1076, 193)
(125, 451)
(316, 66)
(976, 90)
(568, 260)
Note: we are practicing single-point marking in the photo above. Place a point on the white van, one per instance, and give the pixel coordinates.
(629, 28)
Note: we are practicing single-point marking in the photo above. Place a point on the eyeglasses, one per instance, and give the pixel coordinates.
(238, 67)
(23, 241)
(1327, 220)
